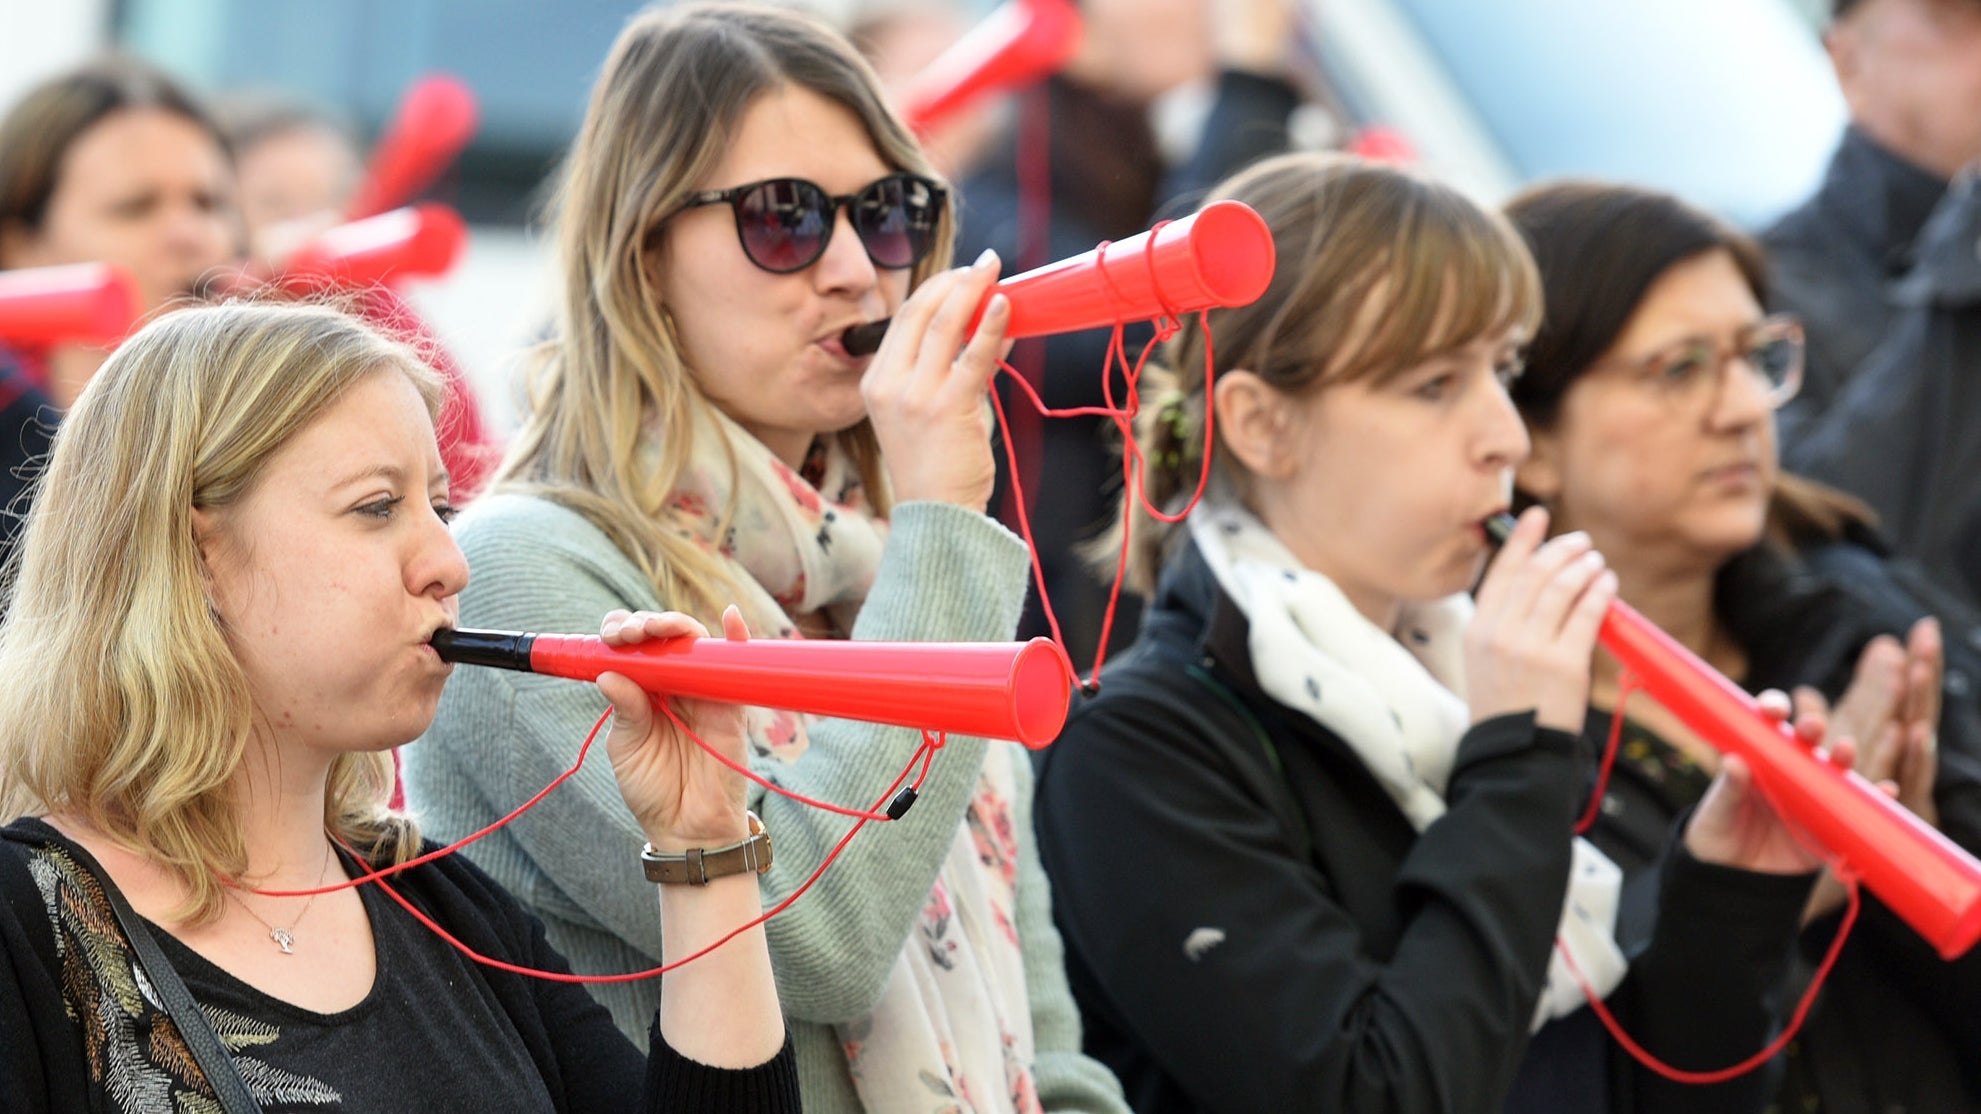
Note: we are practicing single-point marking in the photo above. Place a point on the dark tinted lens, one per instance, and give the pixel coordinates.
(896, 219)
(785, 223)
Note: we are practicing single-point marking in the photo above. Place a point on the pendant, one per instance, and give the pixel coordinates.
(282, 940)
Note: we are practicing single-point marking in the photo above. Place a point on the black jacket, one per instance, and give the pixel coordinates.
(1832, 262)
(1251, 924)
(1895, 1028)
(1903, 434)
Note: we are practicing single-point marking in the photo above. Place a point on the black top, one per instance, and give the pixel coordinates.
(437, 1033)
(1895, 1029)
(1251, 923)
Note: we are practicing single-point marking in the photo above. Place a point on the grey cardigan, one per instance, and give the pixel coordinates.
(946, 574)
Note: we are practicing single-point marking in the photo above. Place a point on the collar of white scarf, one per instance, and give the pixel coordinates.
(1396, 698)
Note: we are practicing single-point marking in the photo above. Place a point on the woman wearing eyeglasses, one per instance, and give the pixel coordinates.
(699, 434)
(1650, 395)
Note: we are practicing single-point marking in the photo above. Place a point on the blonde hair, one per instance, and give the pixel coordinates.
(125, 704)
(673, 92)
(1378, 270)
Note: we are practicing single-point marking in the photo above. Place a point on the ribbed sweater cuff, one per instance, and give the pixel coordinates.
(678, 1083)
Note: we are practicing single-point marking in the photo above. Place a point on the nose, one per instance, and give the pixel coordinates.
(845, 268)
(1743, 398)
(1500, 435)
(437, 567)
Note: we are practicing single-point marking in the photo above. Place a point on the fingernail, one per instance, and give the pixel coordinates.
(988, 257)
(611, 629)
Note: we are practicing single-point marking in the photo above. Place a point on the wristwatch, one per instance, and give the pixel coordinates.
(697, 865)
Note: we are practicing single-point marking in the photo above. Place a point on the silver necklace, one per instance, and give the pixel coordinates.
(285, 938)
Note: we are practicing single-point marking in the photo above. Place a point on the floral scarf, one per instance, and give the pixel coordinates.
(953, 1029)
(1398, 700)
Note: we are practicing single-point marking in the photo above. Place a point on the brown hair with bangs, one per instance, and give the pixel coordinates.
(1379, 269)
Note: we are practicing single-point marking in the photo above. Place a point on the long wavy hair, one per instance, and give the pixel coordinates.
(672, 95)
(125, 704)
(1378, 269)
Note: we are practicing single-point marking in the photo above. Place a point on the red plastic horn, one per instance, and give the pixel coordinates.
(83, 302)
(425, 239)
(1926, 878)
(433, 124)
(997, 690)
(1020, 42)
(1221, 256)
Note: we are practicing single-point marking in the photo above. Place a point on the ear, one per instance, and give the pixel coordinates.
(1540, 474)
(1255, 422)
(1842, 43)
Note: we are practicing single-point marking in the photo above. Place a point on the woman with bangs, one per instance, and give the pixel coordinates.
(1312, 844)
(699, 434)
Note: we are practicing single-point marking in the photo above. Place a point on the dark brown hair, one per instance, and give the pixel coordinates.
(36, 135)
(1600, 248)
(1378, 270)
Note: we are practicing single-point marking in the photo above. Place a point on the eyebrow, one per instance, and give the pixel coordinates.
(390, 472)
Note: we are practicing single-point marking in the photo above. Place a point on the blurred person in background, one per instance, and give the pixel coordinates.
(1650, 393)
(1881, 265)
(1910, 71)
(296, 166)
(110, 162)
(738, 196)
(899, 38)
(1109, 179)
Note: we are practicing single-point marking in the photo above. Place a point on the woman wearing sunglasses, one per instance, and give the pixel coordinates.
(1650, 396)
(699, 434)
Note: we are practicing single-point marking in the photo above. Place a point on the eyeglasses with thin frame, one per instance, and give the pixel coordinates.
(1690, 374)
(784, 224)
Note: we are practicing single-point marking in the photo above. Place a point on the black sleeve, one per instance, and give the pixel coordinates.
(1152, 837)
(676, 1083)
(1708, 991)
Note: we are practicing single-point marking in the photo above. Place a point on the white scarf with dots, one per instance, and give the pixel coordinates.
(1396, 699)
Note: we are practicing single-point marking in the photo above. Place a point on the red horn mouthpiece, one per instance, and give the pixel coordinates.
(85, 302)
(1020, 42)
(1926, 878)
(998, 690)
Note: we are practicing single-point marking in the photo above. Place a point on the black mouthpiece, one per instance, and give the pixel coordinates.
(500, 649)
(1498, 527)
(864, 340)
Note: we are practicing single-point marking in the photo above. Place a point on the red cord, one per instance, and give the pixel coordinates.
(1679, 1075)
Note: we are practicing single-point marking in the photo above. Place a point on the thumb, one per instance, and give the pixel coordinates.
(632, 708)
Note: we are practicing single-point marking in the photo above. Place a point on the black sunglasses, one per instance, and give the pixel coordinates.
(785, 223)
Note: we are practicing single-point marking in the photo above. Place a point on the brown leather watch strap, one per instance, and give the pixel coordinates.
(697, 866)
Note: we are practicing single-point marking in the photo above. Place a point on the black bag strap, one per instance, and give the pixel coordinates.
(213, 1058)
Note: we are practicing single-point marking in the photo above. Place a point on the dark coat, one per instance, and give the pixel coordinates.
(1896, 1029)
(1904, 434)
(1251, 924)
(1833, 260)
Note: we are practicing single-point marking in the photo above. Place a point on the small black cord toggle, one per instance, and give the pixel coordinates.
(898, 807)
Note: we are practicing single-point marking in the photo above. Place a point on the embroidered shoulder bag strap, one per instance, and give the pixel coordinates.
(213, 1058)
